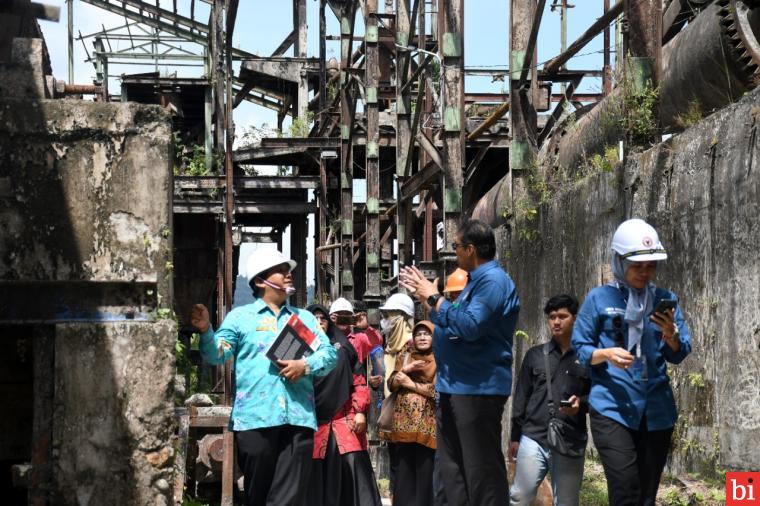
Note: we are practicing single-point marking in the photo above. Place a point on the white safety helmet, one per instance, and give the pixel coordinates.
(263, 259)
(399, 302)
(637, 241)
(341, 304)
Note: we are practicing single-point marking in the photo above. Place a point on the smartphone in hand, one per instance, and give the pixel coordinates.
(565, 403)
(666, 305)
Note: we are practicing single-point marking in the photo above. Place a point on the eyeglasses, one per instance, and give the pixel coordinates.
(455, 245)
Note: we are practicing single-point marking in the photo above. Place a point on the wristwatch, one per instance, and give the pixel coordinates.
(306, 368)
(433, 300)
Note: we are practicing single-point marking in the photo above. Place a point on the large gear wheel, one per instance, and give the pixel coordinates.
(736, 21)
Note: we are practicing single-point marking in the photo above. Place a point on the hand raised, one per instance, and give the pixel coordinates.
(199, 318)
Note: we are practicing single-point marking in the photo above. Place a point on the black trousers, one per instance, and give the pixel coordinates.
(276, 463)
(343, 480)
(633, 460)
(414, 478)
(469, 442)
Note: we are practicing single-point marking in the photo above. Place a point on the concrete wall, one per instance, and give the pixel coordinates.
(701, 190)
(86, 253)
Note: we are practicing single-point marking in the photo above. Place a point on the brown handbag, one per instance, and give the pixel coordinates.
(385, 420)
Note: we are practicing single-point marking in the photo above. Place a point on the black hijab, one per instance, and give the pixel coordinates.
(333, 390)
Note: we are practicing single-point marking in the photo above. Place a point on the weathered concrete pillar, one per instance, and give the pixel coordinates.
(86, 253)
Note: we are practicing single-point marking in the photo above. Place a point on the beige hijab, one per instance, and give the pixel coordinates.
(396, 341)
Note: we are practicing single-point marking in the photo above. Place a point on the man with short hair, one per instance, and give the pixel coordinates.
(473, 350)
(531, 411)
(273, 415)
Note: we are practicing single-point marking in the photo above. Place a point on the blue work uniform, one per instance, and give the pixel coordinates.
(615, 393)
(473, 338)
(263, 398)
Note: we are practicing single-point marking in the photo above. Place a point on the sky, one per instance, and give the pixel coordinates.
(262, 25)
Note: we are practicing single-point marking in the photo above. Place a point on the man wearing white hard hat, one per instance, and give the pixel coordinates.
(626, 331)
(273, 415)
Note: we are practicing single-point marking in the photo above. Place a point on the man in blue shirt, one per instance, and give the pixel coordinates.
(473, 350)
(273, 414)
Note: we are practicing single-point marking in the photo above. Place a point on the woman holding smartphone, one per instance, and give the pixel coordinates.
(626, 333)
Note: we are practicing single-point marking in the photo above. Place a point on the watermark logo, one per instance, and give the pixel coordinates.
(743, 489)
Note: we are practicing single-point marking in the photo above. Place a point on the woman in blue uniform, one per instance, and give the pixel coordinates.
(627, 334)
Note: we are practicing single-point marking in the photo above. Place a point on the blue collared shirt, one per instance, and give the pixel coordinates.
(263, 398)
(473, 338)
(614, 392)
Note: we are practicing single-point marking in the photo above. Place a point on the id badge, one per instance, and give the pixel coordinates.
(639, 369)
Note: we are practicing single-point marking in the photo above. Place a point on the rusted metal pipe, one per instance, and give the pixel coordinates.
(712, 63)
(82, 89)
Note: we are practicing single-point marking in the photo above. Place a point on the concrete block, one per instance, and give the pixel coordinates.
(113, 413)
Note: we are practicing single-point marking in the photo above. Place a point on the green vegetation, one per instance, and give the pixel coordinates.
(604, 163)
(696, 380)
(189, 501)
(332, 90)
(691, 116)
(594, 484)
(299, 127)
(190, 160)
(522, 335)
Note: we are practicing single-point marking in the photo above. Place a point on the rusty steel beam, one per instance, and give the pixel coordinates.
(419, 181)
(495, 116)
(606, 67)
(643, 46)
(451, 45)
(372, 293)
(247, 182)
(608, 17)
(523, 119)
(347, 116)
(404, 136)
(538, 15)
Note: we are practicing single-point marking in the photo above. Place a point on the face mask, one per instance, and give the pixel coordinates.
(387, 324)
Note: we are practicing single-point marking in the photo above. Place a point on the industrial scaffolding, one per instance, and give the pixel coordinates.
(393, 110)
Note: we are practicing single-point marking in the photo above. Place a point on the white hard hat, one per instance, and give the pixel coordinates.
(341, 304)
(637, 241)
(399, 302)
(263, 259)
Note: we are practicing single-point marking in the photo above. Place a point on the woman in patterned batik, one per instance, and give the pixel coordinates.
(414, 430)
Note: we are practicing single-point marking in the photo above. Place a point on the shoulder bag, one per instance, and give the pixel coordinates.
(385, 420)
(561, 437)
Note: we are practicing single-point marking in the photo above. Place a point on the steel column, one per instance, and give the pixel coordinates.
(372, 294)
(403, 120)
(451, 48)
(643, 44)
(347, 110)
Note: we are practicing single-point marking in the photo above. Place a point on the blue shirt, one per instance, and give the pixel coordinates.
(473, 338)
(263, 398)
(614, 391)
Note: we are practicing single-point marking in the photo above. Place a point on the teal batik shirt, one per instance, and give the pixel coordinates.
(263, 398)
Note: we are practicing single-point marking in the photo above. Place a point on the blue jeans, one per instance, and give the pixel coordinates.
(533, 462)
